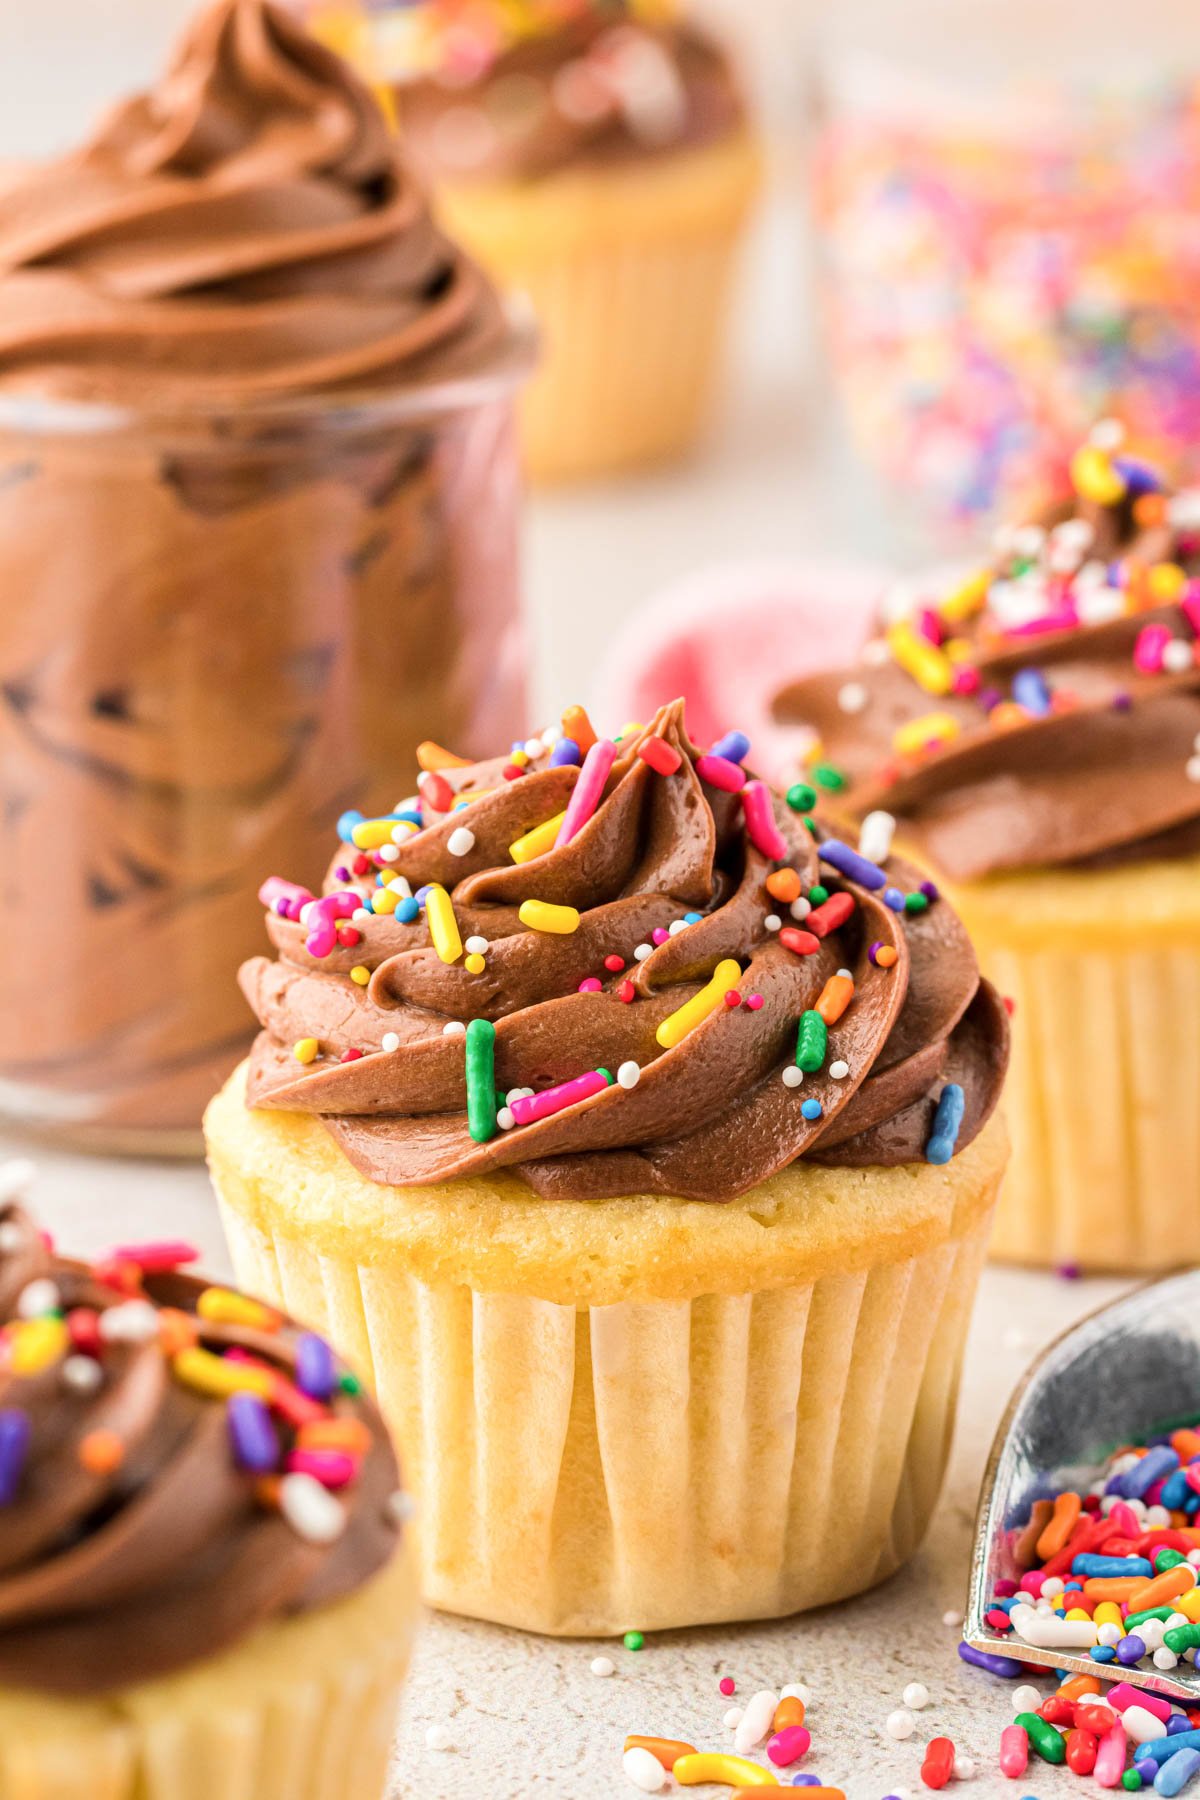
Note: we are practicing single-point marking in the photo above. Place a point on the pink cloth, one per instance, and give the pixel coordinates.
(730, 637)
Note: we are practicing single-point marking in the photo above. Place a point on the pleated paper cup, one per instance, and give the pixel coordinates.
(302, 1710)
(640, 1412)
(1103, 1091)
(630, 272)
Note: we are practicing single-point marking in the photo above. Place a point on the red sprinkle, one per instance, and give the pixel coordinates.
(800, 943)
(84, 1327)
(626, 992)
(827, 917)
(348, 936)
(727, 1684)
(938, 1766)
(511, 771)
(615, 963)
(361, 865)
(435, 790)
(351, 1055)
(733, 998)
(662, 757)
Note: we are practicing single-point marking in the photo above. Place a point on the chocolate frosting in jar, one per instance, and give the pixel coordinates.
(1044, 712)
(143, 1528)
(661, 890)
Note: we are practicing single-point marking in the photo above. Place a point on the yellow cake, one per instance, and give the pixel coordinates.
(1032, 737)
(648, 1360)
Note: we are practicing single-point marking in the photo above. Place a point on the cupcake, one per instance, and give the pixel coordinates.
(1030, 734)
(645, 1157)
(203, 1589)
(595, 155)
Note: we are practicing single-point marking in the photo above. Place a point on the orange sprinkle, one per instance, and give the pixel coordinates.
(1164, 1587)
(667, 1750)
(1062, 1523)
(1116, 1587)
(1150, 509)
(176, 1330)
(577, 725)
(432, 757)
(350, 1435)
(790, 1711)
(887, 956)
(1006, 715)
(784, 884)
(101, 1452)
(1078, 1686)
(1186, 1444)
(835, 997)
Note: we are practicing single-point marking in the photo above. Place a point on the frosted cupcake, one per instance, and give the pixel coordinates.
(645, 1155)
(202, 1585)
(597, 156)
(1031, 735)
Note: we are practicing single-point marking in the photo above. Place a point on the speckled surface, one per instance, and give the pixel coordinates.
(525, 1715)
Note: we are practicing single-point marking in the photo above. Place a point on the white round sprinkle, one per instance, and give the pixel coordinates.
(11, 1237)
(362, 915)
(313, 1513)
(839, 1070)
(629, 1074)
(1052, 1587)
(388, 853)
(796, 1690)
(852, 697)
(132, 1322)
(437, 1737)
(518, 1094)
(773, 922)
(534, 747)
(37, 1299)
(1028, 539)
(410, 803)
(1110, 1635)
(1107, 434)
(461, 841)
(401, 1506)
(792, 1076)
(603, 1665)
(82, 1374)
(551, 736)
(642, 952)
(504, 1118)
(1177, 656)
(956, 1618)
(1157, 1518)
(800, 908)
(1192, 768)
(16, 1175)
(1026, 1699)
(915, 1696)
(1164, 1658)
(676, 926)
(477, 946)
(964, 1768)
(1176, 1620)
(876, 653)
(391, 1041)
(733, 1718)
(454, 1028)
(305, 911)
(644, 1770)
(900, 1725)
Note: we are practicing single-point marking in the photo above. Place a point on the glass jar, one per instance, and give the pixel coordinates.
(217, 632)
(1008, 201)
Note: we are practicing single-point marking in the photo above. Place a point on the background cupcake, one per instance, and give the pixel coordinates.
(619, 1140)
(597, 156)
(1032, 733)
(202, 1588)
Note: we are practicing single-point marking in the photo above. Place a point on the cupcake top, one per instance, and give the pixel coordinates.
(619, 967)
(246, 230)
(178, 1466)
(1046, 710)
(490, 89)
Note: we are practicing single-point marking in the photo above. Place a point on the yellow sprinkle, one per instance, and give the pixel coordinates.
(1166, 581)
(540, 915)
(462, 800)
(966, 599)
(474, 964)
(1077, 1612)
(675, 1028)
(443, 926)
(538, 841)
(519, 758)
(958, 650)
(1188, 1604)
(626, 730)
(1109, 1613)
(221, 1306)
(36, 1343)
(217, 1378)
(372, 834)
(1094, 477)
(718, 1765)
(928, 666)
(360, 974)
(386, 899)
(305, 1050)
(930, 728)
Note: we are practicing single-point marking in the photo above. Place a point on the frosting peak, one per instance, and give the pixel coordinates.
(594, 961)
(248, 229)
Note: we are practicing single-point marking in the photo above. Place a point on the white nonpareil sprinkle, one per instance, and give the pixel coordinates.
(454, 1028)
(313, 1513)
(551, 736)
(461, 841)
(676, 926)
(915, 1696)
(756, 1721)
(361, 915)
(477, 946)
(388, 853)
(964, 1768)
(642, 952)
(795, 1690)
(504, 1118)
(773, 922)
(956, 1618)
(391, 1041)
(437, 1737)
(1192, 768)
(1107, 434)
(603, 1665)
(37, 1299)
(839, 1070)
(1026, 1699)
(643, 1769)
(629, 1074)
(875, 654)
(401, 1506)
(852, 697)
(16, 1176)
(534, 747)
(800, 908)
(733, 1718)
(875, 838)
(1164, 1658)
(900, 1725)
(1177, 656)
(132, 1322)
(518, 1094)
(792, 1076)
(82, 1374)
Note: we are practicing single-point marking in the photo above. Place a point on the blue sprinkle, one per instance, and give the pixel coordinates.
(408, 817)
(1102, 1567)
(734, 747)
(811, 1109)
(692, 918)
(894, 898)
(1176, 1723)
(566, 751)
(1176, 1774)
(252, 1433)
(1030, 691)
(408, 910)
(947, 1123)
(1102, 1653)
(346, 824)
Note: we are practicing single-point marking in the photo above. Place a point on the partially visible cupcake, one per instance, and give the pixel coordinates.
(596, 155)
(1032, 734)
(203, 1589)
(646, 1156)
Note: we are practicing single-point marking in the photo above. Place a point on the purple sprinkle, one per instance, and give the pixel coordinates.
(566, 751)
(1122, 701)
(283, 908)
(812, 1781)
(1068, 1271)
(854, 867)
(990, 698)
(315, 1373)
(421, 893)
(14, 1445)
(252, 1434)
(930, 890)
(734, 747)
(1006, 1666)
(341, 873)
(1131, 1649)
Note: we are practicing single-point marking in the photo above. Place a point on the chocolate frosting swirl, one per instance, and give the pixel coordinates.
(669, 882)
(246, 231)
(1070, 732)
(599, 89)
(111, 1576)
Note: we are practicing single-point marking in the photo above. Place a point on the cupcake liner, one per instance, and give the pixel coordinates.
(303, 1710)
(588, 1469)
(630, 275)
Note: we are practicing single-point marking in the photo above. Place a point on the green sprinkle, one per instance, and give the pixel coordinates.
(1153, 1612)
(802, 798)
(607, 1074)
(481, 1080)
(349, 1384)
(818, 894)
(634, 1640)
(1167, 1559)
(1131, 1781)
(829, 778)
(812, 1037)
(1048, 1743)
(916, 903)
(1181, 1638)
(811, 825)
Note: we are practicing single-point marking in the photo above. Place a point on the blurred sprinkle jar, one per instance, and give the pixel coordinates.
(1008, 201)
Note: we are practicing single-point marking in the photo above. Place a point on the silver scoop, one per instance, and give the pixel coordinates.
(1131, 1368)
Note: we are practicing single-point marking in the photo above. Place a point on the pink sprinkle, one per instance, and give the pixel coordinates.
(156, 1258)
(966, 679)
(1152, 640)
(284, 897)
(556, 1099)
(322, 921)
(1066, 619)
(761, 828)
(1190, 604)
(1005, 1588)
(727, 1685)
(588, 790)
(789, 1745)
(591, 985)
(719, 772)
(929, 625)
(1031, 1583)
(998, 1619)
(332, 1468)
(753, 1002)
(733, 998)
(659, 935)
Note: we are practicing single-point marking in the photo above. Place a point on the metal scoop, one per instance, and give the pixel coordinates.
(1131, 1368)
